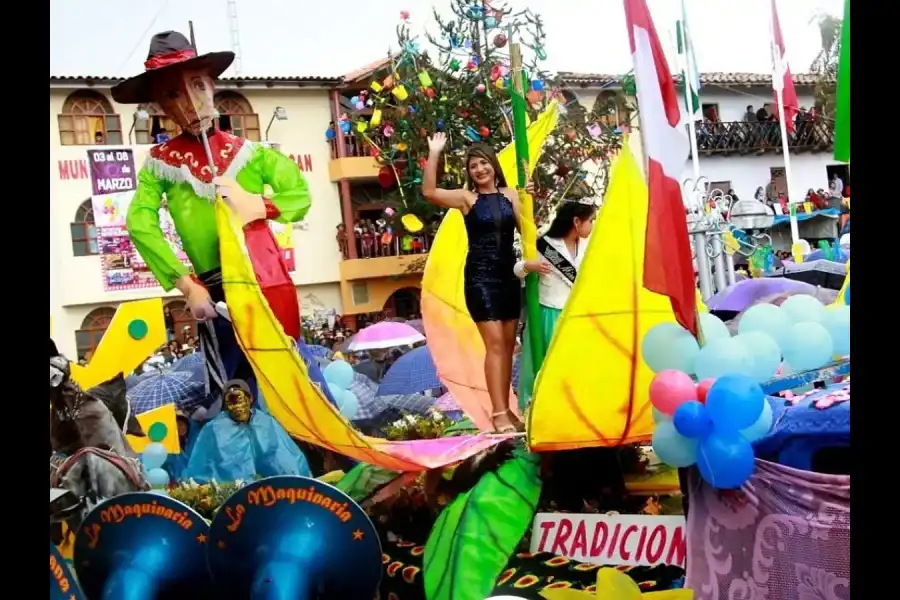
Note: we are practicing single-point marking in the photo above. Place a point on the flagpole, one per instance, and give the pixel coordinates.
(778, 84)
(698, 231)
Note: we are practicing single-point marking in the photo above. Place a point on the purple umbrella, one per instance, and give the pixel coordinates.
(742, 294)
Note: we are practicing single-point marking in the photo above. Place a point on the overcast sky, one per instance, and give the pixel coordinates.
(330, 38)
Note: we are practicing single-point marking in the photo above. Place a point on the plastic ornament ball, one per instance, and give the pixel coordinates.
(404, 15)
(440, 125)
(490, 22)
(484, 131)
(537, 85)
(386, 177)
(500, 40)
(480, 88)
(454, 65)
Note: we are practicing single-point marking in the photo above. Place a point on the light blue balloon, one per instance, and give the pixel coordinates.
(837, 322)
(157, 477)
(340, 373)
(762, 426)
(659, 416)
(349, 404)
(673, 448)
(808, 346)
(766, 318)
(722, 356)
(336, 392)
(725, 460)
(765, 355)
(669, 346)
(154, 455)
(713, 328)
(803, 307)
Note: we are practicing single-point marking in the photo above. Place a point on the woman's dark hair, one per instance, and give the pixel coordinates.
(566, 213)
(487, 153)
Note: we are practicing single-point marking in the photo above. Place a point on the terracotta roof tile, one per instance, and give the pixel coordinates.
(712, 78)
(366, 71)
(103, 80)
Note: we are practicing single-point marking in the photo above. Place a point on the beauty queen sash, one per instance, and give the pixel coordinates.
(557, 260)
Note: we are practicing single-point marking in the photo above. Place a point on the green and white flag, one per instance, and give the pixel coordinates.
(685, 58)
(842, 116)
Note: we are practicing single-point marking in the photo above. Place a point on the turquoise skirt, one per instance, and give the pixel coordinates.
(527, 376)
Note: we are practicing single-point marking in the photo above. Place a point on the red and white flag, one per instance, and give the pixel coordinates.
(668, 268)
(781, 74)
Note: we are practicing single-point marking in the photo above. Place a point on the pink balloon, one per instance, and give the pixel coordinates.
(670, 389)
(703, 389)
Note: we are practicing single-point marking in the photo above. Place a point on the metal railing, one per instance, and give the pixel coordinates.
(741, 137)
(374, 246)
(354, 146)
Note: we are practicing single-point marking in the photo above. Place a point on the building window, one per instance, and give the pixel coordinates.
(87, 119)
(88, 337)
(236, 116)
(83, 231)
(155, 130)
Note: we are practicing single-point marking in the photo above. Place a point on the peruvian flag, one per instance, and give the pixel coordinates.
(668, 268)
(781, 74)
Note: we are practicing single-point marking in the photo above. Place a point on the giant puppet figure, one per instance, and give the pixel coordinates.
(181, 84)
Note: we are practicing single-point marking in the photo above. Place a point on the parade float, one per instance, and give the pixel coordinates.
(503, 516)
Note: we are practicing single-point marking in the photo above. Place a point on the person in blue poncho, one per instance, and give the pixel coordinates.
(243, 443)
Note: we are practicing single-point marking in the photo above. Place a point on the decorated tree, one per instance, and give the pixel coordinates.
(461, 86)
(825, 64)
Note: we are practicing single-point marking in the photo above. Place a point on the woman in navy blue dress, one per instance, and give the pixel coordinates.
(492, 290)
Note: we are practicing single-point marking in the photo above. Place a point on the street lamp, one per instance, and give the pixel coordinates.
(280, 114)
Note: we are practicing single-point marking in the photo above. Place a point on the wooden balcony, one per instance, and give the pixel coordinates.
(358, 162)
(740, 137)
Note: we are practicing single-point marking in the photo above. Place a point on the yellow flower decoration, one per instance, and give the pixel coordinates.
(612, 584)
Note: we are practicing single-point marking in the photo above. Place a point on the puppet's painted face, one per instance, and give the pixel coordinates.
(187, 98)
(237, 403)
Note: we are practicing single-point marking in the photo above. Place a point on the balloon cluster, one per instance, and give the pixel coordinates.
(339, 376)
(712, 424)
(802, 333)
(154, 456)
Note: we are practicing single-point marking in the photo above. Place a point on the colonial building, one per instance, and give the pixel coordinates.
(289, 112)
(737, 153)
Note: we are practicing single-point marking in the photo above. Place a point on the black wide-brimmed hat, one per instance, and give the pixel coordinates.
(168, 50)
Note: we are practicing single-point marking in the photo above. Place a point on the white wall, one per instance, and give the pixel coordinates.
(76, 284)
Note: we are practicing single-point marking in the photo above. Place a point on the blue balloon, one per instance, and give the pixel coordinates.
(669, 346)
(725, 459)
(723, 356)
(734, 402)
(713, 328)
(537, 85)
(803, 307)
(330, 134)
(158, 477)
(762, 426)
(659, 416)
(765, 355)
(673, 448)
(349, 404)
(336, 392)
(354, 100)
(340, 373)
(837, 322)
(691, 420)
(345, 126)
(808, 346)
(154, 455)
(765, 318)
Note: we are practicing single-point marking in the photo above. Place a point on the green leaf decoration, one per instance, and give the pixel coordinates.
(475, 535)
(363, 480)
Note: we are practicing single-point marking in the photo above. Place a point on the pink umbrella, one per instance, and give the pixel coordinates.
(386, 334)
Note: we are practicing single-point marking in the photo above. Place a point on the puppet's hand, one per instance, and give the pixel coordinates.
(248, 207)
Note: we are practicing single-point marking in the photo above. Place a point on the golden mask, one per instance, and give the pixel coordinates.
(237, 403)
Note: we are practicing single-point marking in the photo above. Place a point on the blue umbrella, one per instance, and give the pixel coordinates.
(320, 351)
(414, 372)
(166, 387)
(410, 403)
(364, 388)
(195, 364)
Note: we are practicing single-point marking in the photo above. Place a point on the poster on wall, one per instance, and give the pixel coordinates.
(113, 181)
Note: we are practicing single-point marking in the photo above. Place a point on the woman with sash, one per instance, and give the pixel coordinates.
(561, 251)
